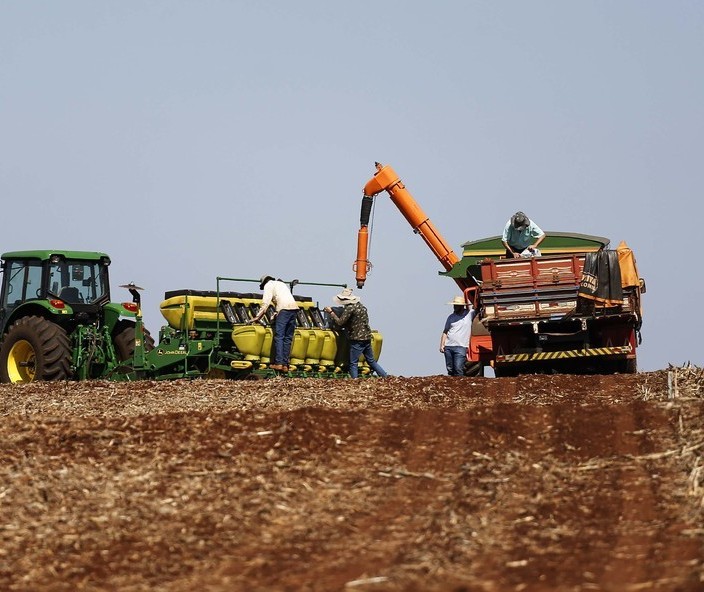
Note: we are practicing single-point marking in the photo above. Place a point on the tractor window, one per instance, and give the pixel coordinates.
(23, 281)
(76, 282)
(33, 285)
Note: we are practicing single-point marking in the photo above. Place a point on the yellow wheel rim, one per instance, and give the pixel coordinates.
(21, 362)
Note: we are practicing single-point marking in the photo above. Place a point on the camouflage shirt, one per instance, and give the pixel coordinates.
(355, 319)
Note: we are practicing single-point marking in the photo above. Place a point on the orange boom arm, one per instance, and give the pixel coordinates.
(386, 179)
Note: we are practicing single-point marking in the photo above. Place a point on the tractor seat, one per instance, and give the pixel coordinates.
(70, 294)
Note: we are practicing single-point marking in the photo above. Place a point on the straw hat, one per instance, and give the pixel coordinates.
(346, 297)
(458, 301)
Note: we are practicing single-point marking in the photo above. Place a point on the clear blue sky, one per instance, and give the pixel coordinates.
(203, 138)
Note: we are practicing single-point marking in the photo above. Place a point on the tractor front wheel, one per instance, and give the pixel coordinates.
(34, 348)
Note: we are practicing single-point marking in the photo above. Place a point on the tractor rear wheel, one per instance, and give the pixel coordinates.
(34, 348)
(123, 336)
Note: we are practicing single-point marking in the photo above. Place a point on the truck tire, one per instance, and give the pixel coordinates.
(124, 337)
(34, 348)
(473, 369)
(629, 366)
(506, 371)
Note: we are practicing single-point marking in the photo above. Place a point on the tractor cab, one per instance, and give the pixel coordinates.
(53, 280)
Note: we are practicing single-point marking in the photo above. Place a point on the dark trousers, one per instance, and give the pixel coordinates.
(363, 348)
(284, 326)
(455, 358)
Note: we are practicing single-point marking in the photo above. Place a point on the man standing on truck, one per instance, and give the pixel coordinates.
(278, 293)
(455, 336)
(355, 319)
(521, 234)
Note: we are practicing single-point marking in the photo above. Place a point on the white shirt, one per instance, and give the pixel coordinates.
(277, 292)
(459, 329)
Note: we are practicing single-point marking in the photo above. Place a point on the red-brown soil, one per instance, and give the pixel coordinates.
(543, 483)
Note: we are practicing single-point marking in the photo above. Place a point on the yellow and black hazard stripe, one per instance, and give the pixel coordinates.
(567, 354)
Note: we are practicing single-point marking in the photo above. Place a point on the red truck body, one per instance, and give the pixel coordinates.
(532, 317)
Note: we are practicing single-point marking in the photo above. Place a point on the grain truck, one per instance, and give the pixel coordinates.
(574, 309)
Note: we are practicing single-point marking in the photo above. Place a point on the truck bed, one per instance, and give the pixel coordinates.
(536, 288)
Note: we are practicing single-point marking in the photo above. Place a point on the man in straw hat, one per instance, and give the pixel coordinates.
(278, 293)
(355, 319)
(454, 340)
(521, 234)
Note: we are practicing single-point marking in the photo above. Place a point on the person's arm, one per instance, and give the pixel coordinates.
(260, 314)
(267, 297)
(538, 233)
(333, 316)
(508, 248)
(505, 237)
(342, 319)
(443, 337)
(537, 242)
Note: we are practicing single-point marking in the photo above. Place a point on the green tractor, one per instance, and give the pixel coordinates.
(57, 321)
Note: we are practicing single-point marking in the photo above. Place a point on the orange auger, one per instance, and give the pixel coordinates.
(386, 179)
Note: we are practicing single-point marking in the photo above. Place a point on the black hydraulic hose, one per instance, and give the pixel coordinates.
(367, 203)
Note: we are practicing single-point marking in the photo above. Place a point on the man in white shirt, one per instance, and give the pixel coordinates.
(278, 293)
(454, 340)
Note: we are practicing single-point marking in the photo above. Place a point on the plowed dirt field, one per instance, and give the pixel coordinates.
(545, 483)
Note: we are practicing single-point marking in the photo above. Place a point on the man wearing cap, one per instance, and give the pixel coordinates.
(521, 233)
(356, 319)
(454, 339)
(278, 293)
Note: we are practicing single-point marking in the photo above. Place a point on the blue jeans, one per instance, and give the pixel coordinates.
(284, 326)
(455, 357)
(358, 348)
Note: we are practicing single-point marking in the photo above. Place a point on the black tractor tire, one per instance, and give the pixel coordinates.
(123, 338)
(34, 348)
